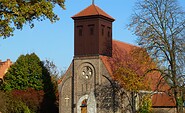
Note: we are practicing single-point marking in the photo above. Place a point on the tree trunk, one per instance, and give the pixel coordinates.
(181, 105)
(179, 102)
(176, 100)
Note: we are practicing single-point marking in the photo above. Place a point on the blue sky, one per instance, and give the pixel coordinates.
(54, 41)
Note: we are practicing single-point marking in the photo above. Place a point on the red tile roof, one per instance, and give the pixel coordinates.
(4, 67)
(162, 99)
(121, 52)
(91, 11)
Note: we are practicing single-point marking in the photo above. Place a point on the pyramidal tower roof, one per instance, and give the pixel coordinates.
(92, 10)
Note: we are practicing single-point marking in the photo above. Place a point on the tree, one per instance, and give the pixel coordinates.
(51, 97)
(52, 68)
(26, 72)
(160, 27)
(33, 82)
(146, 104)
(14, 14)
(130, 73)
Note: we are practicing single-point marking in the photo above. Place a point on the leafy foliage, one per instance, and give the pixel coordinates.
(32, 98)
(10, 104)
(50, 100)
(146, 104)
(53, 72)
(131, 71)
(26, 72)
(15, 13)
(130, 80)
(31, 84)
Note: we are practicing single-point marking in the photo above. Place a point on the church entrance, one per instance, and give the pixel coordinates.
(87, 104)
(84, 106)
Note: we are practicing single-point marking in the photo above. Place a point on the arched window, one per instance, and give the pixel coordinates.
(84, 103)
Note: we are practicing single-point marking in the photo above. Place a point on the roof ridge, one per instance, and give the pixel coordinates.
(126, 43)
(96, 9)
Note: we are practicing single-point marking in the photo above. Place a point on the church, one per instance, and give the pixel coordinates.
(88, 86)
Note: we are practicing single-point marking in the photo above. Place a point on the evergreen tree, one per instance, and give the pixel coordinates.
(26, 72)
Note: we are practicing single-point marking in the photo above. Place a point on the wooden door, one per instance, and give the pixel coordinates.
(84, 106)
(83, 109)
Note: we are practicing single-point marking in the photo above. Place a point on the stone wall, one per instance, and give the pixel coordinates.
(88, 78)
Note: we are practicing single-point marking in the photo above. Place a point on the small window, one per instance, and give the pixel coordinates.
(80, 30)
(91, 29)
(109, 31)
(102, 29)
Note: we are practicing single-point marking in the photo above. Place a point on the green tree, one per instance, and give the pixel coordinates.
(33, 83)
(26, 72)
(160, 27)
(14, 14)
(50, 101)
(53, 72)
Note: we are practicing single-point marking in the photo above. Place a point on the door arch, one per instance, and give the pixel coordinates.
(80, 102)
(87, 103)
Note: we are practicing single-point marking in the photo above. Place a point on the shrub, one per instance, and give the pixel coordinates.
(9, 104)
(32, 98)
(146, 104)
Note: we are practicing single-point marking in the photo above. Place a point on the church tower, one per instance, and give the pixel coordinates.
(93, 32)
(92, 41)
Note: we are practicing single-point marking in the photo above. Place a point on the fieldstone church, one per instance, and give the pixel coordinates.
(87, 85)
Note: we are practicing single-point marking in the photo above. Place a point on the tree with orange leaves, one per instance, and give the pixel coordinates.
(129, 70)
